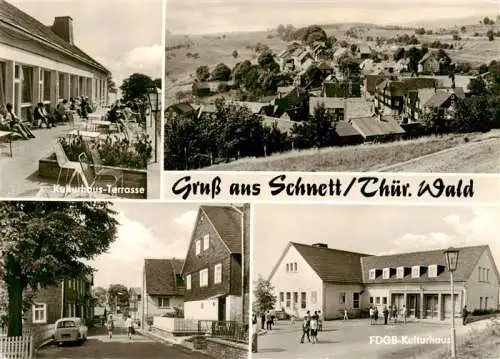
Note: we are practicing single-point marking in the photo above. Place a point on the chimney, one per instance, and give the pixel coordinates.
(320, 245)
(63, 27)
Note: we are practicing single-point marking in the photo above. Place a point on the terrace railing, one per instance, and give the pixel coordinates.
(229, 330)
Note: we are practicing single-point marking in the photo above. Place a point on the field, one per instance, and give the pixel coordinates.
(213, 49)
(433, 154)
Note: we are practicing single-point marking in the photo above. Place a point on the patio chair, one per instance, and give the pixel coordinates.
(101, 171)
(65, 163)
(89, 176)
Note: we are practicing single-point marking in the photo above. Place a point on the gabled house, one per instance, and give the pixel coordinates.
(429, 63)
(69, 298)
(333, 87)
(162, 288)
(216, 263)
(315, 277)
(364, 51)
(40, 63)
(378, 128)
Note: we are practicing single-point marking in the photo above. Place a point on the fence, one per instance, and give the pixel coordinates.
(230, 330)
(16, 347)
(176, 325)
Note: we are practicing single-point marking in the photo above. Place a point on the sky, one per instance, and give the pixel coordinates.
(372, 229)
(123, 35)
(214, 16)
(146, 230)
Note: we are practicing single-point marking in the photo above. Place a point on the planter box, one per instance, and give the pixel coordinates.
(48, 169)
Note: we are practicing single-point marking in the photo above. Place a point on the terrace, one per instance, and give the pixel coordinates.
(81, 158)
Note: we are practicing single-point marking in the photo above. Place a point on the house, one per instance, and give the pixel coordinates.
(69, 298)
(342, 108)
(390, 94)
(294, 104)
(419, 101)
(255, 107)
(201, 89)
(135, 303)
(402, 65)
(347, 135)
(364, 51)
(429, 63)
(339, 54)
(378, 128)
(180, 109)
(315, 277)
(217, 264)
(162, 287)
(283, 125)
(206, 110)
(333, 87)
(41, 63)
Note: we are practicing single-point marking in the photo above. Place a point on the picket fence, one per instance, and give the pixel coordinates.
(16, 347)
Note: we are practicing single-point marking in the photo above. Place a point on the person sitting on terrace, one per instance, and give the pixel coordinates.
(41, 116)
(14, 124)
(72, 105)
(115, 116)
(83, 108)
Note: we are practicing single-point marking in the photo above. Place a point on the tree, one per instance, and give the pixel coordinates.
(267, 62)
(317, 131)
(420, 31)
(118, 296)
(157, 83)
(399, 54)
(281, 29)
(264, 298)
(354, 49)
(221, 72)
(235, 54)
(463, 29)
(111, 85)
(491, 35)
(203, 73)
(100, 296)
(486, 21)
(43, 243)
(136, 86)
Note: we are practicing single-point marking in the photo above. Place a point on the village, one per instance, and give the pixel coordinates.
(358, 89)
(190, 304)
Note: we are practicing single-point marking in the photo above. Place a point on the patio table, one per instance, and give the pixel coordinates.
(8, 135)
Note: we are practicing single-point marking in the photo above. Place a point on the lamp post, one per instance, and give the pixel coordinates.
(451, 255)
(155, 106)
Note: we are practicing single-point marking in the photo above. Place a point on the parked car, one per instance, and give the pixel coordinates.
(281, 315)
(70, 330)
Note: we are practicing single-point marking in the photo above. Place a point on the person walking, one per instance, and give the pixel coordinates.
(465, 314)
(375, 314)
(263, 320)
(372, 314)
(403, 314)
(386, 315)
(306, 327)
(129, 323)
(110, 325)
(269, 321)
(346, 317)
(320, 322)
(255, 333)
(314, 328)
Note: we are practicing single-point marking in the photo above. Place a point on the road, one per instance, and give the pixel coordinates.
(99, 346)
(356, 339)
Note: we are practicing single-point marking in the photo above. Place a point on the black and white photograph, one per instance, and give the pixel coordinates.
(375, 281)
(131, 279)
(80, 98)
(336, 86)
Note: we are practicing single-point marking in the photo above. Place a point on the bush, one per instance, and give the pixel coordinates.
(476, 312)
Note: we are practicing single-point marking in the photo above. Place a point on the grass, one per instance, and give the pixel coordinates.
(353, 158)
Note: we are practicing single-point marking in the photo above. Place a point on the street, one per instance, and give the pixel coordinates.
(99, 345)
(355, 339)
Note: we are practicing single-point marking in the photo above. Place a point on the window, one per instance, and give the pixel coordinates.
(342, 298)
(218, 273)
(282, 297)
(481, 303)
(27, 84)
(303, 300)
(372, 273)
(355, 300)
(339, 114)
(203, 277)
(288, 299)
(433, 271)
(295, 298)
(487, 275)
(377, 300)
(188, 282)
(295, 267)
(314, 297)
(198, 247)
(206, 242)
(46, 85)
(400, 272)
(163, 302)
(479, 274)
(415, 271)
(485, 302)
(384, 300)
(386, 273)
(39, 313)
(288, 267)
(61, 86)
(371, 300)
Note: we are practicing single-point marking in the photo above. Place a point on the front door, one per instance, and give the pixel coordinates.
(222, 309)
(413, 305)
(431, 306)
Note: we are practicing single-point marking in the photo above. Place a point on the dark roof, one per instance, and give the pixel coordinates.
(181, 108)
(227, 222)
(332, 265)
(344, 129)
(373, 126)
(160, 276)
(467, 260)
(18, 21)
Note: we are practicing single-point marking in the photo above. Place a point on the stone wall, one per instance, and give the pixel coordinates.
(218, 348)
